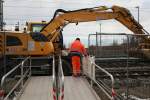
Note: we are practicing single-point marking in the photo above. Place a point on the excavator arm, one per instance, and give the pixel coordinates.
(62, 18)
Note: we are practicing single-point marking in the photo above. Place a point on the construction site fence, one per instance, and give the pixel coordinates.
(127, 58)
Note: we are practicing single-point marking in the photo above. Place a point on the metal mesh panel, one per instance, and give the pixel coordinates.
(127, 57)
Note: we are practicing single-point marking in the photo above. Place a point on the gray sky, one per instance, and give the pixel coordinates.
(38, 10)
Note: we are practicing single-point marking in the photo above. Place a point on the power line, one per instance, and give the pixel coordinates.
(12, 16)
(27, 7)
(64, 2)
(36, 1)
(69, 2)
(12, 19)
(10, 6)
(54, 1)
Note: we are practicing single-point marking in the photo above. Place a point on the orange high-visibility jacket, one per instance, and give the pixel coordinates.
(77, 46)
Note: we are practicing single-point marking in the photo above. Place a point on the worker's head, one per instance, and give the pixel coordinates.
(78, 39)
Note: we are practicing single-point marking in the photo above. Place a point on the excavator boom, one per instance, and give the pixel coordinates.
(62, 18)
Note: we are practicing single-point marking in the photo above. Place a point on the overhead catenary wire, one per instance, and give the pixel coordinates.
(29, 17)
(27, 7)
(64, 2)
(52, 1)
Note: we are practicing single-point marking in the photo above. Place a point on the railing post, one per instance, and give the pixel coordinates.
(2, 92)
(92, 75)
(30, 66)
(22, 64)
(127, 47)
(92, 70)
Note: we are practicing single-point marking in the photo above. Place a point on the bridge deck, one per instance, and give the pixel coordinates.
(40, 88)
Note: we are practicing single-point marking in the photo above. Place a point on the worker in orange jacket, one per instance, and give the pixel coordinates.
(77, 49)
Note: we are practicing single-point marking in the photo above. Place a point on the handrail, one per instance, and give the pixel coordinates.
(106, 72)
(58, 80)
(11, 71)
(7, 74)
(111, 77)
(53, 68)
(54, 79)
(61, 69)
(21, 65)
(61, 82)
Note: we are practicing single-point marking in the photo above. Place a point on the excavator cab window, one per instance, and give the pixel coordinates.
(35, 32)
(37, 27)
(13, 41)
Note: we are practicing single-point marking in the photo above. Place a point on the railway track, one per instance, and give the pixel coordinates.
(131, 77)
(120, 68)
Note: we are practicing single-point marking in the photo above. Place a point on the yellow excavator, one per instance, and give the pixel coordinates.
(50, 40)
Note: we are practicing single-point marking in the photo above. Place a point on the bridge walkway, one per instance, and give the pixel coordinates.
(76, 88)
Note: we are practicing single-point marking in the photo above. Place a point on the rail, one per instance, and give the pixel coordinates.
(91, 74)
(58, 79)
(24, 73)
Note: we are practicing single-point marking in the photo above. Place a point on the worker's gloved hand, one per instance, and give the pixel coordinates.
(86, 55)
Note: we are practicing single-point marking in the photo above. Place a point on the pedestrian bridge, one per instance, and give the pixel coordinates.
(55, 87)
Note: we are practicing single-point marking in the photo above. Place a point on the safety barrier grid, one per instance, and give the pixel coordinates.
(24, 68)
(127, 58)
(58, 79)
(117, 44)
(89, 70)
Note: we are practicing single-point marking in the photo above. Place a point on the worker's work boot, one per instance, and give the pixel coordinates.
(78, 74)
(74, 75)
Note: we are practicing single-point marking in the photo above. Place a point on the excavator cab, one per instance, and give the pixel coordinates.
(23, 44)
(34, 27)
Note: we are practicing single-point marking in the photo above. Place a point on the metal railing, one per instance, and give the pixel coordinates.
(58, 79)
(91, 75)
(54, 79)
(16, 90)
